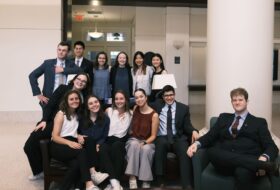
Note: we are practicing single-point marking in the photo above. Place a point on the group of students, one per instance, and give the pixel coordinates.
(95, 143)
(83, 133)
(106, 79)
(86, 137)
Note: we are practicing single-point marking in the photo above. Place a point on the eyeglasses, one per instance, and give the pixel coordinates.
(81, 81)
(168, 95)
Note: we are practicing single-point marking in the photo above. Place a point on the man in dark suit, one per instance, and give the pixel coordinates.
(85, 64)
(55, 72)
(240, 144)
(175, 133)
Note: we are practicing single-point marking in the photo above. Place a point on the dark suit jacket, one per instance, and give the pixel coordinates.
(52, 107)
(253, 138)
(183, 123)
(48, 70)
(86, 66)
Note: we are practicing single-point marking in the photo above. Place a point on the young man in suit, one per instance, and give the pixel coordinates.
(240, 144)
(174, 135)
(55, 72)
(85, 64)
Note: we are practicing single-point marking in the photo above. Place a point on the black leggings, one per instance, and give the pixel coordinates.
(112, 157)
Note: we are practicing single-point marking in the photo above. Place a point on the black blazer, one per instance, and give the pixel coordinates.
(253, 138)
(47, 69)
(52, 107)
(183, 123)
(86, 66)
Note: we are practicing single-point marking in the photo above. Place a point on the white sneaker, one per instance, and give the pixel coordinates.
(98, 177)
(36, 177)
(118, 187)
(146, 185)
(133, 184)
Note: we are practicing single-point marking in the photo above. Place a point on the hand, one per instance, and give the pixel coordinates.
(142, 144)
(59, 69)
(261, 172)
(42, 125)
(74, 145)
(192, 149)
(97, 147)
(81, 139)
(263, 158)
(195, 136)
(43, 99)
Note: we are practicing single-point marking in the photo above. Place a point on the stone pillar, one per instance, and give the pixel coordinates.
(239, 54)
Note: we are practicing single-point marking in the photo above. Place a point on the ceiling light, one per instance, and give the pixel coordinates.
(95, 3)
(95, 34)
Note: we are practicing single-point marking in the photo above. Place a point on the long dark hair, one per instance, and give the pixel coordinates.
(100, 118)
(135, 66)
(96, 64)
(64, 106)
(161, 60)
(88, 88)
(126, 107)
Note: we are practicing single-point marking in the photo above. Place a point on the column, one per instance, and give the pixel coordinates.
(239, 54)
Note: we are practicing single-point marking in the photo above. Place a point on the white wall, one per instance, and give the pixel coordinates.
(150, 25)
(177, 30)
(29, 33)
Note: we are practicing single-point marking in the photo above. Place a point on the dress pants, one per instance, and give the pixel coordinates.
(243, 167)
(112, 155)
(139, 159)
(76, 159)
(32, 148)
(91, 153)
(179, 147)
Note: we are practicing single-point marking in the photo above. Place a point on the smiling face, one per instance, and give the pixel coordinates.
(78, 51)
(80, 82)
(139, 60)
(239, 104)
(101, 60)
(140, 98)
(93, 105)
(122, 59)
(156, 62)
(73, 101)
(120, 100)
(169, 97)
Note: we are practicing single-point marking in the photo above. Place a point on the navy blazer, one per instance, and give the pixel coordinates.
(183, 123)
(253, 138)
(47, 68)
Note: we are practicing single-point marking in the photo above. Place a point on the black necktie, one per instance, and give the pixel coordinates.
(234, 127)
(169, 125)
